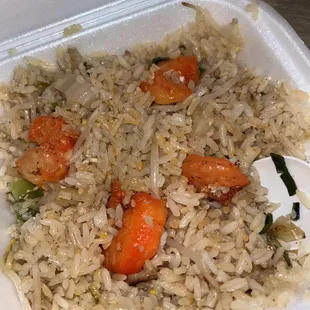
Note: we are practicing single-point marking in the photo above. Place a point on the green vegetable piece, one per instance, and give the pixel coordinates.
(289, 183)
(34, 194)
(201, 70)
(22, 189)
(42, 86)
(286, 177)
(279, 162)
(95, 292)
(54, 105)
(287, 259)
(20, 218)
(274, 243)
(32, 211)
(157, 60)
(295, 214)
(268, 223)
(272, 240)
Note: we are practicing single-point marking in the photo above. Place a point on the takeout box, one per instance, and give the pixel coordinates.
(36, 29)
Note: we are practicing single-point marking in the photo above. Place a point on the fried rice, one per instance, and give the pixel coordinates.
(210, 256)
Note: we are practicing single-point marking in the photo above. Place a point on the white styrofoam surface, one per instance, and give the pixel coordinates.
(277, 193)
(33, 14)
(272, 46)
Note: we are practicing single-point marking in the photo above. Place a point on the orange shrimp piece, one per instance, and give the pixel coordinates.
(203, 171)
(47, 163)
(40, 165)
(117, 195)
(166, 91)
(139, 238)
(186, 66)
(49, 130)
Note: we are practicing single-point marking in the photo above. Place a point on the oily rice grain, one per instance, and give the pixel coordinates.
(210, 256)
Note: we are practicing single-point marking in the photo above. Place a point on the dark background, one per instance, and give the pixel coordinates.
(297, 13)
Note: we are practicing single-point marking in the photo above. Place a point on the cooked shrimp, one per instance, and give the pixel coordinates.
(205, 171)
(50, 130)
(117, 195)
(40, 165)
(47, 163)
(167, 91)
(139, 238)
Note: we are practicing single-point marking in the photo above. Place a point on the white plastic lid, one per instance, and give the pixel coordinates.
(19, 17)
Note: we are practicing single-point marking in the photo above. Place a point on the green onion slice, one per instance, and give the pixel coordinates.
(268, 223)
(23, 189)
(295, 214)
(286, 177)
(289, 183)
(287, 259)
(279, 162)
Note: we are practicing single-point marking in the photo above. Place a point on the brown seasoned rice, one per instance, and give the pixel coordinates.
(209, 258)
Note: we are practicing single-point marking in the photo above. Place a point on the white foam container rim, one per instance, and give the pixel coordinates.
(272, 47)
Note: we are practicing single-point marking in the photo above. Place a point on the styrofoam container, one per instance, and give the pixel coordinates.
(272, 48)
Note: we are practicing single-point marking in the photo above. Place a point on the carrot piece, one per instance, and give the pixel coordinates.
(202, 171)
(166, 91)
(138, 240)
(117, 195)
(49, 130)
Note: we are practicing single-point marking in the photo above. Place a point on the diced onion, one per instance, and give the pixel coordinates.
(304, 199)
(79, 92)
(303, 248)
(39, 63)
(287, 231)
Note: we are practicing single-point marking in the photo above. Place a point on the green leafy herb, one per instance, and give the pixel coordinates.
(23, 189)
(157, 60)
(201, 70)
(295, 214)
(268, 223)
(286, 177)
(31, 212)
(20, 218)
(289, 183)
(34, 194)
